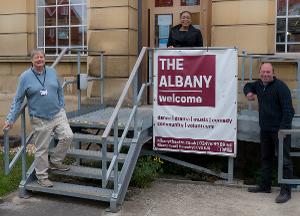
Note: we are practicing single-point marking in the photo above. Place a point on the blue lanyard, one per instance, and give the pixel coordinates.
(43, 84)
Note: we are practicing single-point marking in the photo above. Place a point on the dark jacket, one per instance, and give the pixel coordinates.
(275, 104)
(190, 38)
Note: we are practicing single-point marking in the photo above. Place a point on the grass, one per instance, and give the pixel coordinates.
(11, 182)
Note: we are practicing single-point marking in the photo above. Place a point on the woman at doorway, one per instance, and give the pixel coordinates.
(185, 34)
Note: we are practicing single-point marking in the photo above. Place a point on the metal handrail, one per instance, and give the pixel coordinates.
(124, 92)
(273, 58)
(113, 121)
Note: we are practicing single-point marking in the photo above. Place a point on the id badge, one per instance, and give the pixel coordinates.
(43, 92)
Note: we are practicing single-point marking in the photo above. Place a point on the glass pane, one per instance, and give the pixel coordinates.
(76, 36)
(163, 23)
(281, 7)
(294, 7)
(280, 48)
(41, 37)
(50, 50)
(280, 31)
(293, 47)
(50, 16)
(163, 3)
(293, 30)
(63, 36)
(76, 15)
(50, 37)
(62, 2)
(189, 2)
(46, 2)
(280, 37)
(63, 15)
(77, 1)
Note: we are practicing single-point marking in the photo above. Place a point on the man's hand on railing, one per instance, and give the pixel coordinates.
(7, 125)
(250, 96)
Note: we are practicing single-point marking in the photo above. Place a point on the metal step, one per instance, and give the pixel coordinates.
(73, 190)
(84, 172)
(93, 155)
(98, 139)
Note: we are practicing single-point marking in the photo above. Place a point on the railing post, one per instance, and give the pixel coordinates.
(101, 79)
(280, 155)
(23, 144)
(250, 78)
(78, 81)
(298, 88)
(243, 67)
(116, 154)
(104, 162)
(6, 152)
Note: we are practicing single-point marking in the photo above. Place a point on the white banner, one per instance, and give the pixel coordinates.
(195, 101)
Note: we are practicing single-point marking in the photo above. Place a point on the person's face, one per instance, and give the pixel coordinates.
(186, 19)
(38, 60)
(266, 73)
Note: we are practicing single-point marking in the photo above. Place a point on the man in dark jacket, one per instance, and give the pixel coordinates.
(275, 112)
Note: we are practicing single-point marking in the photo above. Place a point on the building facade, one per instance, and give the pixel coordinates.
(121, 27)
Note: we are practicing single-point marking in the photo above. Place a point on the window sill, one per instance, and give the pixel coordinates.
(71, 59)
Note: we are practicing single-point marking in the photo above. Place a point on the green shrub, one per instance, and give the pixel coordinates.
(146, 170)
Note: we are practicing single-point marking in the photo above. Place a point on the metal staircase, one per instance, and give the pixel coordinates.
(100, 174)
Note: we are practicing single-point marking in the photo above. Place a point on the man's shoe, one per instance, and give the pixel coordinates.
(45, 182)
(284, 196)
(58, 166)
(259, 189)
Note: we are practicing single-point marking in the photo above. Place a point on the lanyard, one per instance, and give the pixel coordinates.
(43, 84)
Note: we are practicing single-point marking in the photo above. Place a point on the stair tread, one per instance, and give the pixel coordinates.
(82, 171)
(96, 155)
(82, 191)
(96, 138)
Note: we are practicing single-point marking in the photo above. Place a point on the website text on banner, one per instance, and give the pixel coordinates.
(195, 101)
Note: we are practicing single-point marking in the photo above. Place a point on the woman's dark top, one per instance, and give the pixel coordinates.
(190, 38)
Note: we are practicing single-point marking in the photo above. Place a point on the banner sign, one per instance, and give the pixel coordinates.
(195, 101)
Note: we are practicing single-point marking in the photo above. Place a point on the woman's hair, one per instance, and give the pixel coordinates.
(36, 51)
(185, 12)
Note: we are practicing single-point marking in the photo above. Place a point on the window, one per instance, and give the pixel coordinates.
(288, 26)
(163, 3)
(61, 23)
(189, 2)
(163, 23)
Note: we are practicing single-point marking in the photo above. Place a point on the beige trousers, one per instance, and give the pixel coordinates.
(44, 130)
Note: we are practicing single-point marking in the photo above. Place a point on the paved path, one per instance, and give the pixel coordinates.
(164, 198)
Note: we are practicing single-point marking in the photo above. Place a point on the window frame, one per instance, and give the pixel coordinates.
(286, 16)
(41, 27)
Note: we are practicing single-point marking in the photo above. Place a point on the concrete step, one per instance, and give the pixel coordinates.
(84, 172)
(98, 139)
(73, 190)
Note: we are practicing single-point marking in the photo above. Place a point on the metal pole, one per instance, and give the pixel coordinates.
(230, 169)
(101, 79)
(6, 152)
(298, 88)
(250, 78)
(280, 156)
(78, 82)
(243, 67)
(116, 154)
(23, 144)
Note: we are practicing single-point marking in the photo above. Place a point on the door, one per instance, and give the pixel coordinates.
(159, 16)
